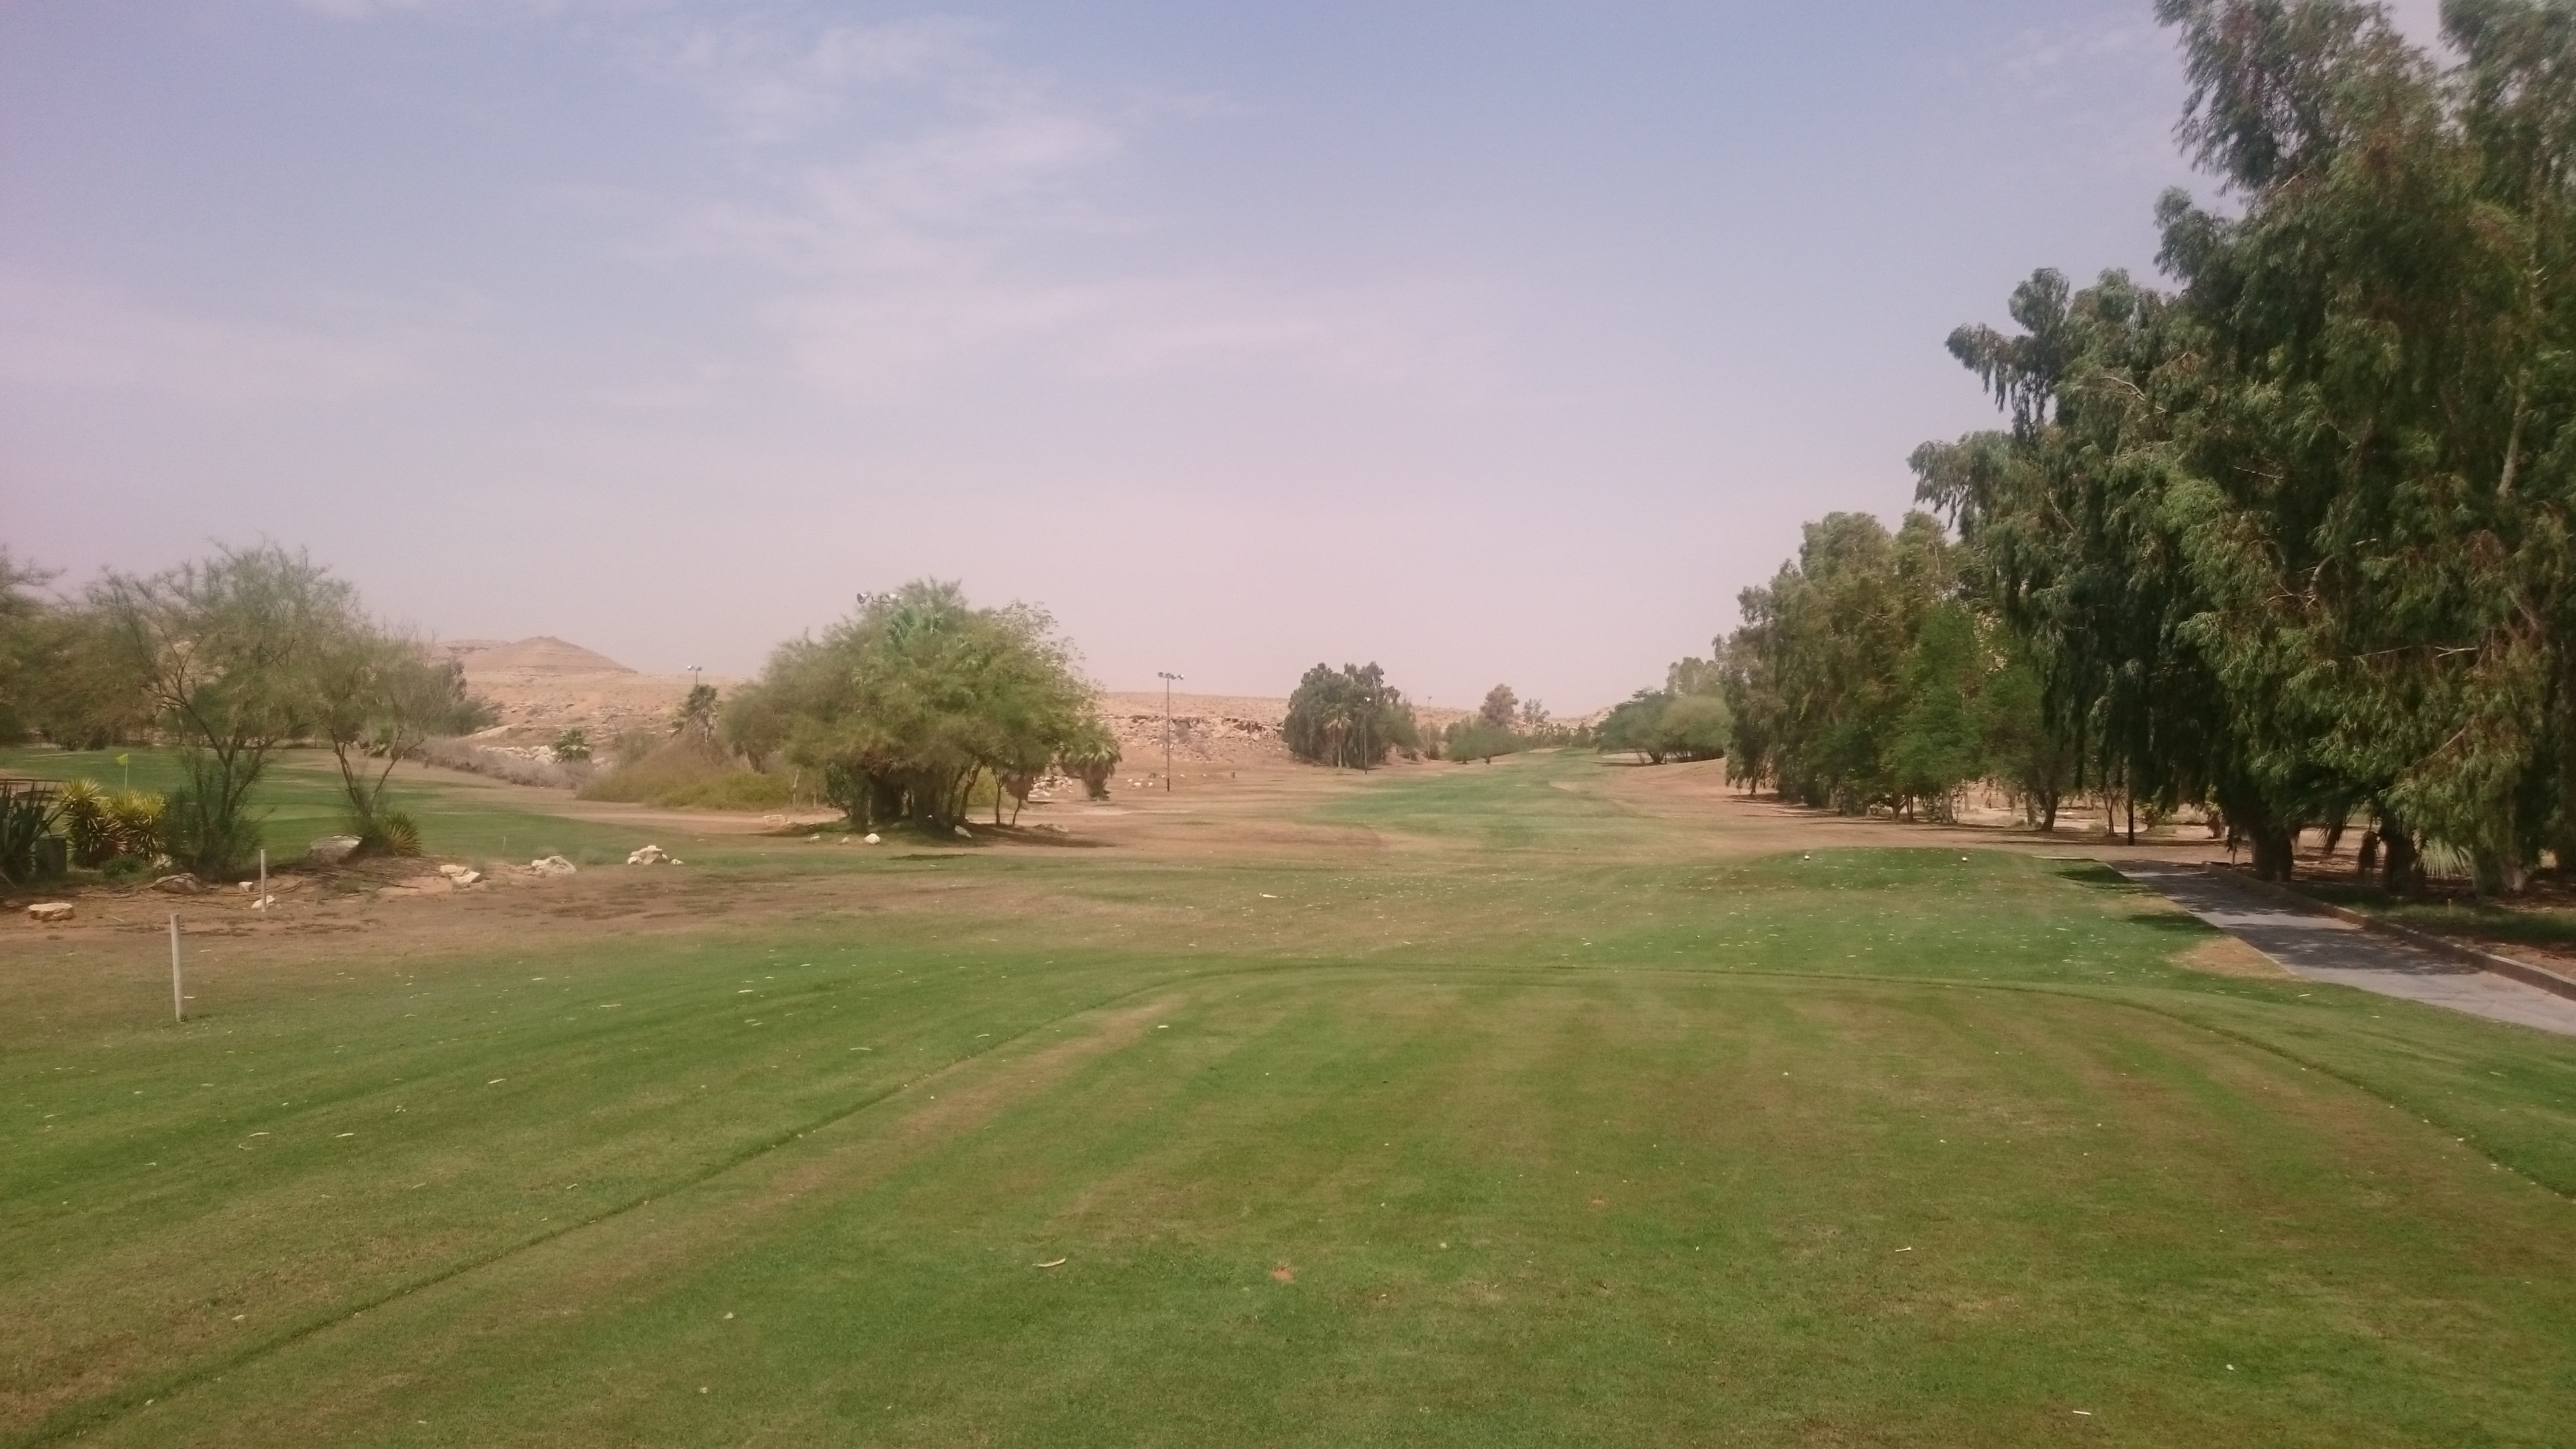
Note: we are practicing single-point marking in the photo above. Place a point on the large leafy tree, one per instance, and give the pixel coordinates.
(1348, 718)
(903, 706)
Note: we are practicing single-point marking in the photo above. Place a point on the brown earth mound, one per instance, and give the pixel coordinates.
(544, 654)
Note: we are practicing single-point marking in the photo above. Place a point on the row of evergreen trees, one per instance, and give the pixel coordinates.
(2293, 537)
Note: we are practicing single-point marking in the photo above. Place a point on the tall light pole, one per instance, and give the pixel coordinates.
(1168, 680)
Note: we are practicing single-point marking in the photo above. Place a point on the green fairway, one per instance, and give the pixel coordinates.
(1539, 1120)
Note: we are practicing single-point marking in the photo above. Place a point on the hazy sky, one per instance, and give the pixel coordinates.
(1492, 341)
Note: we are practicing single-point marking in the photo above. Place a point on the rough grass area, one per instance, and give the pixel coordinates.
(2540, 919)
(299, 798)
(682, 775)
(1500, 1116)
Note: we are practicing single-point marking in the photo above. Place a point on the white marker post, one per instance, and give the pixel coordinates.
(178, 1002)
(263, 880)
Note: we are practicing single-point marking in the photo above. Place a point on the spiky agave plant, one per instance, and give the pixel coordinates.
(134, 818)
(397, 834)
(81, 814)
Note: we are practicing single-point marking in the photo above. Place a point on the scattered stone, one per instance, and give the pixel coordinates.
(651, 855)
(552, 865)
(332, 849)
(962, 833)
(263, 903)
(245, 887)
(464, 875)
(182, 884)
(46, 913)
(874, 838)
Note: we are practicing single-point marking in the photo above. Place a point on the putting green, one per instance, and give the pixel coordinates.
(1535, 1120)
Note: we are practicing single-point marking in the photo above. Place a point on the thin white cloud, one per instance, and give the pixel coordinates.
(774, 84)
(70, 333)
(935, 250)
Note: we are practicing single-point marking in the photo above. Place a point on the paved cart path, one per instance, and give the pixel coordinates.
(2323, 948)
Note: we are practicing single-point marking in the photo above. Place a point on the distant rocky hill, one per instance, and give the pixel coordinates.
(544, 654)
(544, 686)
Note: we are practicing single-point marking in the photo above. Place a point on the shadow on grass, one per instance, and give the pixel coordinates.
(2093, 875)
(2174, 922)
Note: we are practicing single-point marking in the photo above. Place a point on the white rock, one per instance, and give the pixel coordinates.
(552, 865)
(45, 913)
(650, 855)
(181, 884)
(332, 849)
(962, 835)
(464, 875)
(874, 839)
(263, 903)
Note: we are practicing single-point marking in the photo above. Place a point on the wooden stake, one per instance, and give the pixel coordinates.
(178, 1001)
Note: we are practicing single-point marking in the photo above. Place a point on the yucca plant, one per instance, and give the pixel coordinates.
(81, 815)
(26, 818)
(134, 818)
(391, 833)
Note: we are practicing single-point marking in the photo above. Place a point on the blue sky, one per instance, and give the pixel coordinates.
(1501, 341)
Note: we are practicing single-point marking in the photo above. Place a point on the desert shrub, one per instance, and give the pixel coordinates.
(125, 869)
(81, 817)
(134, 820)
(501, 764)
(26, 820)
(393, 832)
(216, 843)
(688, 772)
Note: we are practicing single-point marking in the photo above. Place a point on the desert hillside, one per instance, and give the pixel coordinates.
(544, 686)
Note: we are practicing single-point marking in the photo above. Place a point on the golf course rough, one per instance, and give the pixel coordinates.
(1476, 1106)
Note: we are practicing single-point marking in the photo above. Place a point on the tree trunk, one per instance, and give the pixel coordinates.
(2499, 872)
(2274, 848)
(2402, 865)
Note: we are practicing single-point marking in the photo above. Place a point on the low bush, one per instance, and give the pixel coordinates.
(687, 773)
(504, 764)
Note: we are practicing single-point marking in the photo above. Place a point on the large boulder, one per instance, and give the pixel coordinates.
(46, 913)
(182, 884)
(332, 849)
